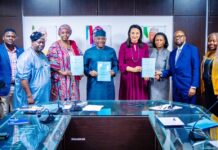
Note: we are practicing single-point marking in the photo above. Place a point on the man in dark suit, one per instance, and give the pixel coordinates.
(9, 53)
(184, 68)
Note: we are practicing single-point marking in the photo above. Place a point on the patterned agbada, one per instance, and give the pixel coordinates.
(99, 90)
(36, 69)
(63, 87)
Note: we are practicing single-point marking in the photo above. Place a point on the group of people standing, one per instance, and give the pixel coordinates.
(35, 78)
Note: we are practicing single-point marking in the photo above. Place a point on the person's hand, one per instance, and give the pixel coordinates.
(112, 73)
(93, 73)
(192, 92)
(157, 75)
(146, 78)
(65, 73)
(30, 100)
(138, 69)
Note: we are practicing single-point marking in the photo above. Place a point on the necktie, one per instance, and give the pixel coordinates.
(177, 54)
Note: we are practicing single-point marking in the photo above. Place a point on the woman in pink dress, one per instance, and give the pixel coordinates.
(132, 85)
(65, 86)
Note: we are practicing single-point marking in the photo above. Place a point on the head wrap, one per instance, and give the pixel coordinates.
(9, 30)
(64, 26)
(35, 36)
(100, 33)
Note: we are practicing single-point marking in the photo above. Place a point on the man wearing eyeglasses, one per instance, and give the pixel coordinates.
(9, 53)
(184, 68)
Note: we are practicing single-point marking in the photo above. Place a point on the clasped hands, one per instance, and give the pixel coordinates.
(158, 74)
(94, 73)
(66, 73)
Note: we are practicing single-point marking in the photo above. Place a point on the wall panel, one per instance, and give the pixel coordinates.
(190, 7)
(118, 7)
(41, 7)
(78, 7)
(154, 7)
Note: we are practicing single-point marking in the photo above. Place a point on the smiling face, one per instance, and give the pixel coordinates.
(9, 38)
(159, 41)
(100, 41)
(212, 42)
(179, 38)
(134, 35)
(38, 45)
(64, 34)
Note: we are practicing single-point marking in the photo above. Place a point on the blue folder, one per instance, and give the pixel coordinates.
(204, 124)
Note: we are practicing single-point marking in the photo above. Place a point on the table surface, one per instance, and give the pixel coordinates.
(36, 135)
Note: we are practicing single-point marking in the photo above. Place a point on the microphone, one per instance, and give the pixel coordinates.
(198, 135)
(45, 118)
(76, 107)
(2, 84)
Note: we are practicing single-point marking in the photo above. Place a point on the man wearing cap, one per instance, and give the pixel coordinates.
(97, 89)
(32, 82)
(9, 54)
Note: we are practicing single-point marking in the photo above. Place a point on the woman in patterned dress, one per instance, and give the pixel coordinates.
(65, 86)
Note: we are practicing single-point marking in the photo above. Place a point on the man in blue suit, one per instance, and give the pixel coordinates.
(184, 68)
(9, 53)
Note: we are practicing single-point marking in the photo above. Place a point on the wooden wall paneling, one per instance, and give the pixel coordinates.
(213, 7)
(212, 24)
(112, 133)
(194, 27)
(190, 7)
(116, 7)
(10, 8)
(15, 23)
(41, 8)
(78, 7)
(154, 7)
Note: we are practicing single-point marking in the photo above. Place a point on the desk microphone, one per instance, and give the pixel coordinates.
(45, 118)
(2, 84)
(198, 135)
(76, 107)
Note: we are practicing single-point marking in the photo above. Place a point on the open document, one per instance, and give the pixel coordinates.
(148, 67)
(93, 108)
(104, 71)
(170, 121)
(165, 107)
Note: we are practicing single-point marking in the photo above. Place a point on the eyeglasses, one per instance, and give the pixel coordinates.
(179, 36)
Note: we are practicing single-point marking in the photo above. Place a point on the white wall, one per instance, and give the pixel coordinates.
(118, 34)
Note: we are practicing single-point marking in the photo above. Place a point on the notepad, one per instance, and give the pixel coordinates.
(170, 121)
(31, 109)
(214, 143)
(165, 107)
(93, 108)
(204, 124)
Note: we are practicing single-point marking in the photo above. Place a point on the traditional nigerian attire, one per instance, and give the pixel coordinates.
(63, 87)
(209, 84)
(159, 90)
(35, 68)
(132, 85)
(99, 90)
